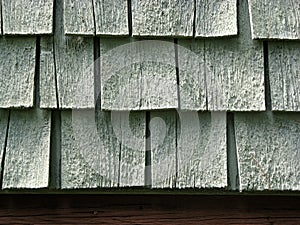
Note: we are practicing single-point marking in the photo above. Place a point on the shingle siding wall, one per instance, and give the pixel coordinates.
(161, 94)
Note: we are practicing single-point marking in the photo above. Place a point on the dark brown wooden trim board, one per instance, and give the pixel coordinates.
(149, 209)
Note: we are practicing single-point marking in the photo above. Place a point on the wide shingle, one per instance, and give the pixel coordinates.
(27, 17)
(277, 19)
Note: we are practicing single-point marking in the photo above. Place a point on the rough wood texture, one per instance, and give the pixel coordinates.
(17, 66)
(277, 19)
(28, 148)
(47, 83)
(201, 151)
(235, 70)
(78, 17)
(284, 75)
(3, 130)
(163, 148)
(27, 17)
(111, 17)
(93, 143)
(216, 18)
(268, 150)
(162, 18)
(1, 18)
(74, 67)
(192, 81)
(144, 77)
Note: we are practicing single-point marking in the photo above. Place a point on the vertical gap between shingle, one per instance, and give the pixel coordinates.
(94, 16)
(56, 5)
(177, 71)
(148, 172)
(55, 150)
(205, 76)
(233, 176)
(1, 14)
(267, 77)
(129, 17)
(119, 166)
(194, 20)
(177, 120)
(97, 78)
(36, 102)
(4, 151)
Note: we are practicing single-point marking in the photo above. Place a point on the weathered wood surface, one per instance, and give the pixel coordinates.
(268, 150)
(201, 151)
(163, 148)
(278, 19)
(47, 83)
(27, 155)
(27, 17)
(145, 209)
(216, 18)
(74, 60)
(144, 77)
(17, 66)
(162, 18)
(78, 17)
(111, 17)
(97, 150)
(1, 18)
(3, 132)
(284, 75)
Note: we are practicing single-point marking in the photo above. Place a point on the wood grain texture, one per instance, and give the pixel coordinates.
(27, 17)
(28, 148)
(163, 148)
(3, 132)
(1, 18)
(93, 143)
(278, 19)
(268, 150)
(284, 75)
(238, 82)
(111, 17)
(17, 66)
(47, 83)
(78, 17)
(162, 18)
(144, 77)
(74, 66)
(216, 18)
(201, 151)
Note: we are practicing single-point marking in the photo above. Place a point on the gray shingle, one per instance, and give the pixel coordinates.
(111, 17)
(27, 17)
(268, 150)
(284, 73)
(78, 17)
(137, 75)
(17, 67)
(162, 18)
(277, 19)
(216, 18)
(201, 151)
(28, 149)
(3, 131)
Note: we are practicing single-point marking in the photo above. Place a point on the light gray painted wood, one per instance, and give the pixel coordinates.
(144, 77)
(1, 17)
(78, 17)
(192, 82)
(284, 75)
(91, 145)
(201, 152)
(3, 130)
(111, 17)
(277, 19)
(162, 18)
(163, 148)
(28, 149)
(216, 18)
(17, 67)
(47, 74)
(235, 70)
(27, 17)
(268, 150)
(74, 66)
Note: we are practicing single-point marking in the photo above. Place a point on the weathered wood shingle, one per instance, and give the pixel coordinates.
(4, 114)
(276, 19)
(27, 17)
